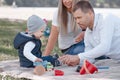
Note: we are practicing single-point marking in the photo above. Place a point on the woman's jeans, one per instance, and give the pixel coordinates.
(75, 49)
(79, 48)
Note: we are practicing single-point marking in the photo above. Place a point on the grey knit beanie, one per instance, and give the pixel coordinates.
(35, 23)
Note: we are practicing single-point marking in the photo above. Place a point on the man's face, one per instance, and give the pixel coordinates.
(83, 19)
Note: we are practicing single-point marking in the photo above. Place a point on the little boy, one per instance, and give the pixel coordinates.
(29, 43)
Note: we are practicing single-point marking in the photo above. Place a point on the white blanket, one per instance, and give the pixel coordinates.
(13, 69)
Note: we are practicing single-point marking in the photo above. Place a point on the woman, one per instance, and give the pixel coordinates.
(70, 37)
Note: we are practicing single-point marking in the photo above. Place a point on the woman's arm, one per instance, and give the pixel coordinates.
(52, 40)
(80, 37)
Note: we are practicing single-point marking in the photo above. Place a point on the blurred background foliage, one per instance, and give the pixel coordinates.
(8, 30)
(53, 3)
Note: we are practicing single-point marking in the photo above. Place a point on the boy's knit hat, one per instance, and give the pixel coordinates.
(35, 23)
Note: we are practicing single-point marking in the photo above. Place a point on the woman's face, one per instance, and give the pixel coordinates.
(67, 3)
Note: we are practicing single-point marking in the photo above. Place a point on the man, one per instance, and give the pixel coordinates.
(102, 36)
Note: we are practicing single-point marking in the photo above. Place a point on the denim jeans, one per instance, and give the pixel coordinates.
(75, 49)
(79, 48)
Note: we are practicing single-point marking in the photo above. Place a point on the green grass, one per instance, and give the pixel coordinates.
(8, 30)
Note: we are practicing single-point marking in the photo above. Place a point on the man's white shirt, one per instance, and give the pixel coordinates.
(104, 39)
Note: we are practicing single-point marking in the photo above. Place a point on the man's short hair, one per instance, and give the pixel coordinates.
(85, 6)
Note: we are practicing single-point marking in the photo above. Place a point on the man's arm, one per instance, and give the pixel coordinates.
(70, 60)
(106, 31)
(87, 38)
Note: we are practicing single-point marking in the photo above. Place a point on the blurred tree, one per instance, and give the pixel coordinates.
(105, 3)
(9, 2)
(36, 3)
(0, 2)
(53, 3)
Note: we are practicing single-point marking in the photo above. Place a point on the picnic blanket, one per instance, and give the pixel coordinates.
(13, 69)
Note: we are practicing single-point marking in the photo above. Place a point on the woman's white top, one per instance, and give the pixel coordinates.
(65, 41)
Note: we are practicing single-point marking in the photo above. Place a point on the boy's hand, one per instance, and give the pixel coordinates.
(80, 37)
(38, 60)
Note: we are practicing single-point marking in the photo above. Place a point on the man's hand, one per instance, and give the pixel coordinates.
(70, 60)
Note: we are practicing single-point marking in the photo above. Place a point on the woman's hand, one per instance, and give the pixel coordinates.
(80, 37)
